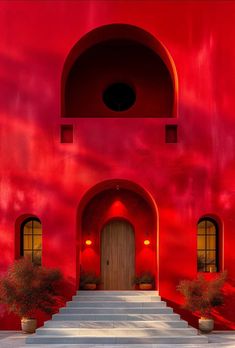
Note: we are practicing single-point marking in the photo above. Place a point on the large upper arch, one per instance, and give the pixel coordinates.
(119, 53)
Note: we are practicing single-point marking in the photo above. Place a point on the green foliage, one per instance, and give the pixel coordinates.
(202, 295)
(26, 288)
(144, 278)
(89, 278)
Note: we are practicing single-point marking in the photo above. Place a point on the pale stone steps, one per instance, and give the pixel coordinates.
(116, 332)
(117, 293)
(116, 324)
(104, 310)
(115, 304)
(114, 318)
(118, 299)
(150, 345)
(186, 339)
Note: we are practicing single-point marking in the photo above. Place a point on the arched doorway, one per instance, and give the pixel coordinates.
(117, 255)
(125, 213)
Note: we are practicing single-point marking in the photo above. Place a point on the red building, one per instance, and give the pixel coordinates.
(117, 126)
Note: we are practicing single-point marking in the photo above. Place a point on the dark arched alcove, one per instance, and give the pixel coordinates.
(126, 73)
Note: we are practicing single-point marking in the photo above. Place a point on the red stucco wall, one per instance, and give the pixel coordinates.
(194, 177)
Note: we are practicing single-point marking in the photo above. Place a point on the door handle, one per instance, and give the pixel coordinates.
(107, 262)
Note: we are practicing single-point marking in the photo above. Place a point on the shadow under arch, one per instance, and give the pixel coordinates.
(119, 31)
(116, 185)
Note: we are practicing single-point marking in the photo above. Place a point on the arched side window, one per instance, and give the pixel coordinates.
(31, 240)
(207, 245)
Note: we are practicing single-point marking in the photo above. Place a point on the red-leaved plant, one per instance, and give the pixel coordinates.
(26, 288)
(202, 295)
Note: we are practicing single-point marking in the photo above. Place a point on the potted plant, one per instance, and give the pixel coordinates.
(89, 281)
(201, 296)
(26, 288)
(144, 281)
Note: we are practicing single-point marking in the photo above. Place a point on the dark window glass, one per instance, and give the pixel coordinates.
(207, 246)
(31, 240)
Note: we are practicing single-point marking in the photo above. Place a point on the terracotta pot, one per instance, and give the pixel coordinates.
(145, 286)
(90, 286)
(206, 325)
(28, 325)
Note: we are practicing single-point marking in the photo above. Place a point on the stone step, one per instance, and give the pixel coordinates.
(116, 332)
(117, 293)
(115, 317)
(115, 304)
(133, 345)
(47, 339)
(116, 324)
(105, 310)
(117, 298)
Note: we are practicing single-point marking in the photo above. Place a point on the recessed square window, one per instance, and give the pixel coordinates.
(171, 135)
(66, 133)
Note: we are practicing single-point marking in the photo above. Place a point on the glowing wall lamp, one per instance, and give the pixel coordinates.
(88, 242)
(146, 242)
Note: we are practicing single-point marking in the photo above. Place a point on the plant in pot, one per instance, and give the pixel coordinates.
(27, 288)
(89, 281)
(202, 296)
(144, 281)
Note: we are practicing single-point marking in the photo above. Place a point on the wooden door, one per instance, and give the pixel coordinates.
(117, 256)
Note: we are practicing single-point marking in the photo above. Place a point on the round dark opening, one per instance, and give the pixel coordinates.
(119, 96)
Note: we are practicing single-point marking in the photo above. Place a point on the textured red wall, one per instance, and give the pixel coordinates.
(189, 179)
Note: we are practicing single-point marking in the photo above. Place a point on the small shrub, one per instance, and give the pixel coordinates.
(89, 278)
(26, 288)
(144, 278)
(202, 295)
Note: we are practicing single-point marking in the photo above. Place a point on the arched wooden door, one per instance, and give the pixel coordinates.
(117, 255)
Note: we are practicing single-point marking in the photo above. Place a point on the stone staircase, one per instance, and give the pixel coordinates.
(117, 319)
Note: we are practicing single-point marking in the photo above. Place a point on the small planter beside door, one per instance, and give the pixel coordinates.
(145, 286)
(144, 281)
(89, 286)
(89, 281)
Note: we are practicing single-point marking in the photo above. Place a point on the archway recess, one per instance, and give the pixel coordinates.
(114, 200)
(114, 56)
